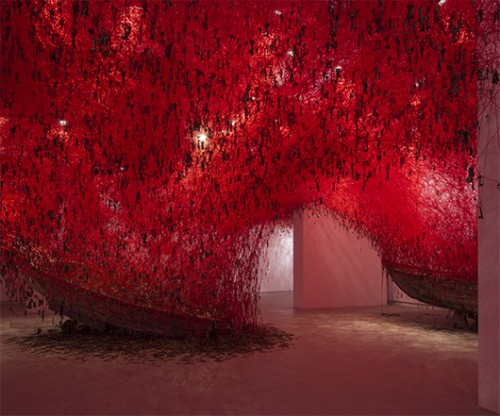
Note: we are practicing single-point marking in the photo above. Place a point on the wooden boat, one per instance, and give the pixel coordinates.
(101, 311)
(439, 290)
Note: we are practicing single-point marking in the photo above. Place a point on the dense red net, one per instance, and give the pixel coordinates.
(149, 148)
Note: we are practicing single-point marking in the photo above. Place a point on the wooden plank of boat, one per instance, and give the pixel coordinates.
(438, 290)
(99, 310)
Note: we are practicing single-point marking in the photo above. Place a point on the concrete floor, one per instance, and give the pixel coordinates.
(342, 362)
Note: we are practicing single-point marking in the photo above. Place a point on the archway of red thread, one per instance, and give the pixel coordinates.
(149, 148)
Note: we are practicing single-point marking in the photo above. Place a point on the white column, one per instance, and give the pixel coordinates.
(489, 250)
(334, 267)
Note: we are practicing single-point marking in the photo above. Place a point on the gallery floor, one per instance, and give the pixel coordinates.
(406, 361)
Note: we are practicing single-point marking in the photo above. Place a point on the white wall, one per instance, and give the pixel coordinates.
(333, 266)
(3, 295)
(276, 263)
(489, 248)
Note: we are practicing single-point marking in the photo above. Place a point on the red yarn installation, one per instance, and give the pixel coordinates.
(148, 148)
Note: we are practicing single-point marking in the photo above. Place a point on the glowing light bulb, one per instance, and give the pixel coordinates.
(441, 2)
(290, 53)
(202, 138)
(63, 123)
(277, 12)
(233, 123)
(338, 68)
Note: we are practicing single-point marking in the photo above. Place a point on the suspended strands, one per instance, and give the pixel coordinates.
(148, 149)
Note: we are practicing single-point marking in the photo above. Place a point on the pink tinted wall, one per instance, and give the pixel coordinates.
(333, 266)
(276, 262)
(3, 295)
(489, 248)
